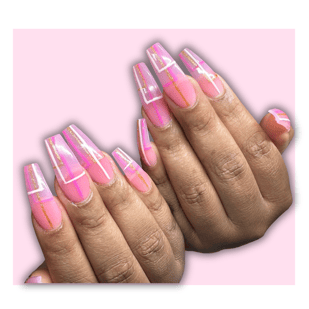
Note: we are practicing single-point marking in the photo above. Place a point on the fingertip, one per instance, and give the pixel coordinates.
(277, 126)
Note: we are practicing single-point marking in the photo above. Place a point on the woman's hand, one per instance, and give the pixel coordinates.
(219, 171)
(101, 227)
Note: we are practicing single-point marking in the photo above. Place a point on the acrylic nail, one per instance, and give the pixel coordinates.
(151, 96)
(89, 156)
(70, 174)
(43, 205)
(147, 153)
(281, 118)
(175, 83)
(202, 73)
(34, 279)
(135, 174)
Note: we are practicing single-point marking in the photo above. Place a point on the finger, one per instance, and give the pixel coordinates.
(147, 240)
(153, 165)
(278, 128)
(155, 201)
(263, 157)
(63, 252)
(182, 165)
(40, 275)
(216, 149)
(107, 251)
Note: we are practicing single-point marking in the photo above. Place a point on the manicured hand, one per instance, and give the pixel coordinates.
(102, 226)
(220, 171)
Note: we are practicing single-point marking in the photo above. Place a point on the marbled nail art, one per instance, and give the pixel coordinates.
(202, 73)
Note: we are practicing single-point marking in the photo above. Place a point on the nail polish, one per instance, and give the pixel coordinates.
(135, 174)
(34, 279)
(281, 118)
(70, 174)
(89, 156)
(202, 73)
(147, 153)
(151, 96)
(175, 83)
(43, 205)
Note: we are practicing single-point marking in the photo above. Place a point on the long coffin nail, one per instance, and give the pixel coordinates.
(151, 96)
(34, 279)
(43, 205)
(70, 174)
(147, 153)
(175, 83)
(202, 73)
(136, 175)
(89, 156)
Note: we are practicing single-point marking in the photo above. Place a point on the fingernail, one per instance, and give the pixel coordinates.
(70, 174)
(151, 96)
(135, 174)
(34, 279)
(89, 156)
(147, 153)
(281, 118)
(43, 205)
(175, 83)
(202, 73)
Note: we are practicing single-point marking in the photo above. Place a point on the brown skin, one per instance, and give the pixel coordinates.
(119, 235)
(220, 172)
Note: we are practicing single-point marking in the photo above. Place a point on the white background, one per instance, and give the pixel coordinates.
(155, 14)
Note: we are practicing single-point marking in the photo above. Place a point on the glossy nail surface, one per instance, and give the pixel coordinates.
(135, 174)
(34, 279)
(151, 96)
(89, 156)
(281, 118)
(175, 83)
(147, 153)
(202, 73)
(43, 205)
(70, 174)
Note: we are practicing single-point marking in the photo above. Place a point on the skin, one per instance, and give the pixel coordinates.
(222, 176)
(119, 235)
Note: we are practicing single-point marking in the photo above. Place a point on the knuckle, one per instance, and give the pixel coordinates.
(202, 124)
(57, 246)
(172, 146)
(121, 199)
(152, 246)
(160, 181)
(93, 223)
(257, 232)
(229, 166)
(119, 272)
(258, 145)
(195, 194)
(155, 202)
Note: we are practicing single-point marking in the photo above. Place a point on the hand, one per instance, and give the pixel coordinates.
(217, 168)
(101, 227)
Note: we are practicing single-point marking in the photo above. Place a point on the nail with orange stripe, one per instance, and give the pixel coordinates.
(175, 83)
(134, 173)
(43, 205)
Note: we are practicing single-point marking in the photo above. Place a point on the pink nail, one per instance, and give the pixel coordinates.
(151, 96)
(44, 208)
(89, 156)
(70, 174)
(281, 118)
(138, 178)
(202, 73)
(147, 153)
(175, 83)
(34, 279)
